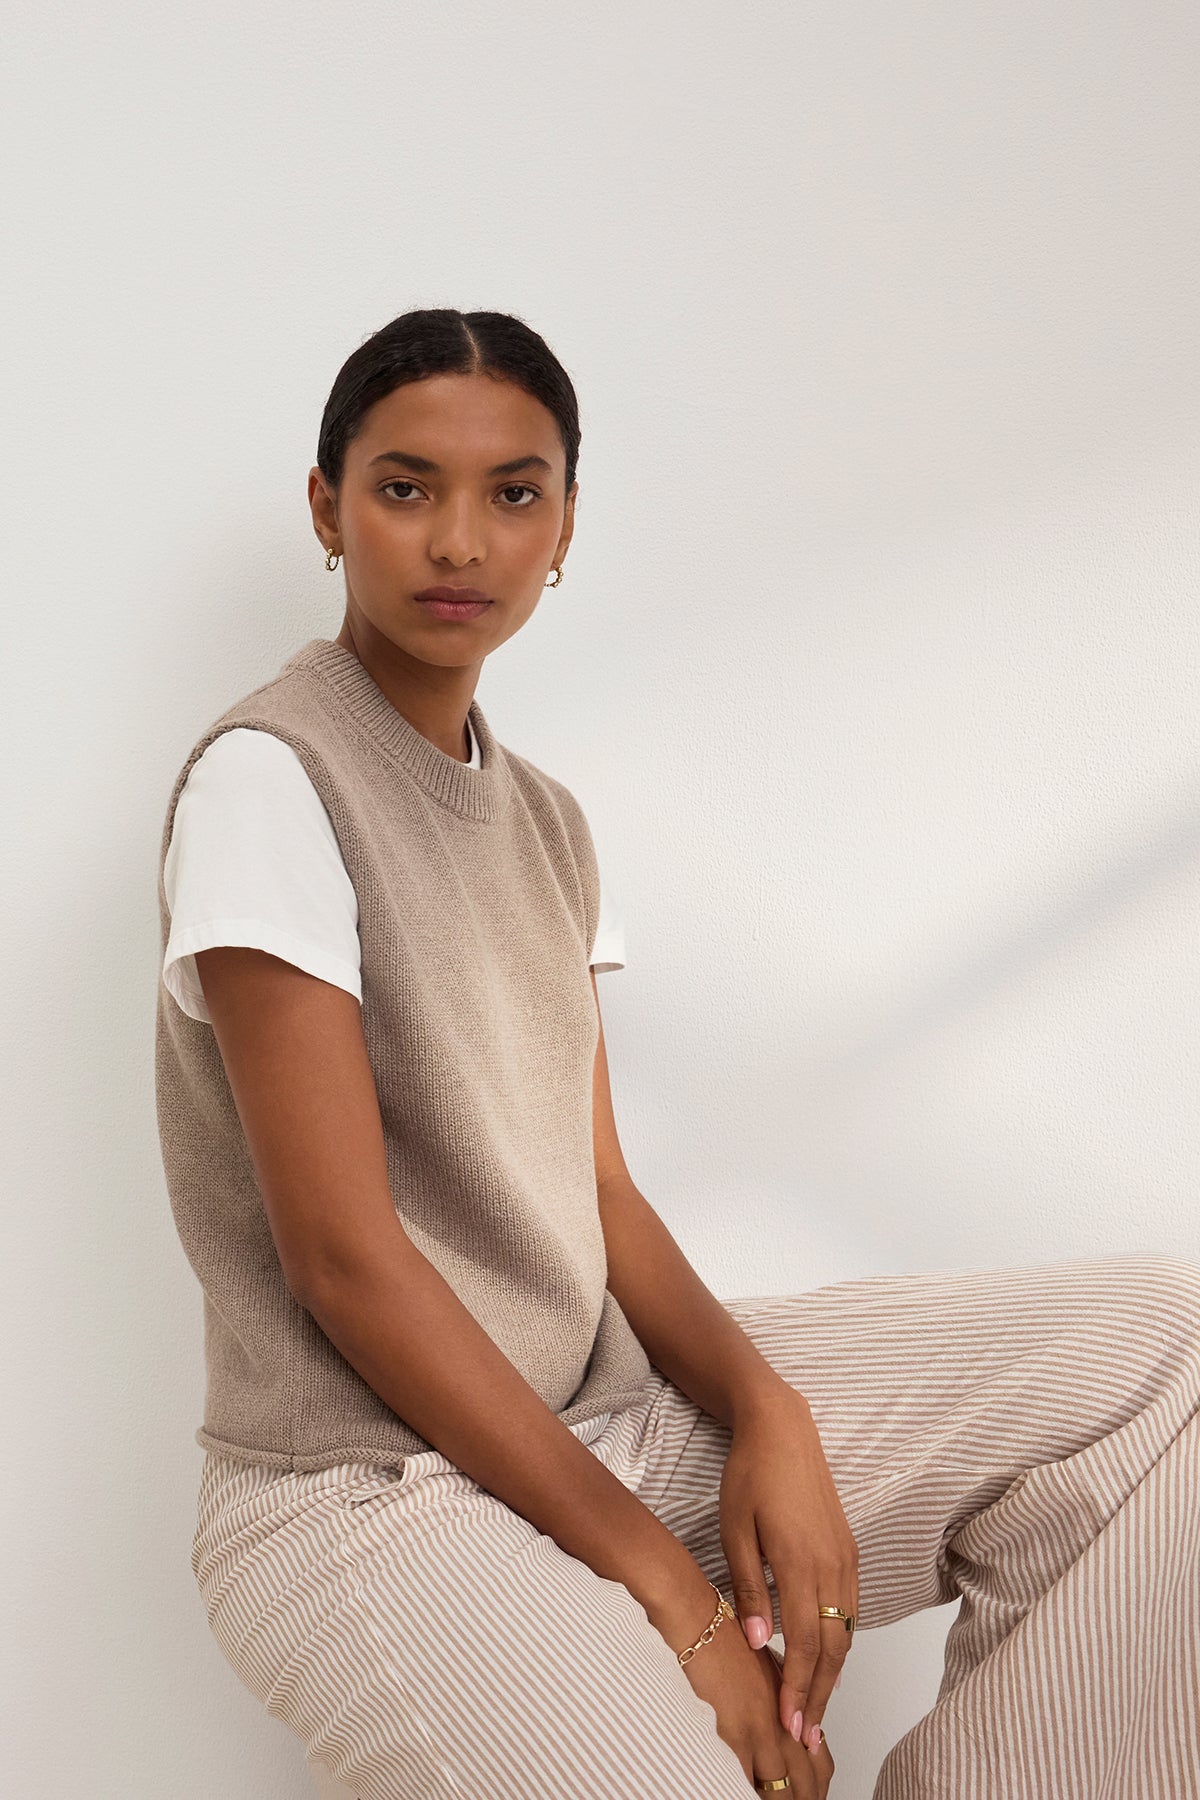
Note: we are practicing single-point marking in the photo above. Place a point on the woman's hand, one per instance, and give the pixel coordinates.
(741, 1685)
(778, 1503)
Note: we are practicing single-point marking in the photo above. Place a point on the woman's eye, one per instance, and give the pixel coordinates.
(520, 487)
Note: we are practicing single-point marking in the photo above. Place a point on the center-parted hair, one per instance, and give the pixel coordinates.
(440, 340)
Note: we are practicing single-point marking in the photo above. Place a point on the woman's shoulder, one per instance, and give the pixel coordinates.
(246, 747)
(248, 788)
(253, 859)
(245, 782)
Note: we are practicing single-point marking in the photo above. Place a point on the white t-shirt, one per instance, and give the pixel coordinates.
(254, 860)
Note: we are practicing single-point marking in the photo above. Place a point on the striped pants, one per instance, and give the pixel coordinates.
(1024, 1440)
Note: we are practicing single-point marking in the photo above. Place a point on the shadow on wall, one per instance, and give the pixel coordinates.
(1175, 848)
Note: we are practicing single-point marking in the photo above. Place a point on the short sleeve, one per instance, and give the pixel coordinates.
(608, 951)
(254, 860)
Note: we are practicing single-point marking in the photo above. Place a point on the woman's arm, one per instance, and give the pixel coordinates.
(683, 1328)
(297, 1064)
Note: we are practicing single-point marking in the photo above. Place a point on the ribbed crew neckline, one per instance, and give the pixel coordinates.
(478, 793)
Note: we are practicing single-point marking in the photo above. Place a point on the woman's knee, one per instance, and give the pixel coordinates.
(1165, 1288)
(1138, 1327)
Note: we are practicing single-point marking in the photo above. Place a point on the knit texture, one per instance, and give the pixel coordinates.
(478, 896)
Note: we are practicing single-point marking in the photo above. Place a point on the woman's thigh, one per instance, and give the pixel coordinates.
(425, 1641)
(935, 1392)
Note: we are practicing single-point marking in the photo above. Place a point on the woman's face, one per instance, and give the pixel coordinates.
(452, 481)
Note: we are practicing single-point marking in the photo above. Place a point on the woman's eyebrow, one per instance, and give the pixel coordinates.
(422, 465)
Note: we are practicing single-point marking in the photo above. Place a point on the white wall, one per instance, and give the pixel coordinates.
(873, 665)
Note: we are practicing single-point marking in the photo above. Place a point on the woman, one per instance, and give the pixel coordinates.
(483, 1453)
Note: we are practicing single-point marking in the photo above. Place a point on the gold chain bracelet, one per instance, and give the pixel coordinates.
(724, 1611)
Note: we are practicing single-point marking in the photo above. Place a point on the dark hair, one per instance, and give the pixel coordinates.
(439, 340)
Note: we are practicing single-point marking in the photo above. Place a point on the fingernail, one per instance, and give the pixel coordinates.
(797, 1725)
(814, 1738)
(838, 1682)
(757, 1630)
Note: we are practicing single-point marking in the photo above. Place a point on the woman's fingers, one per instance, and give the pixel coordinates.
(801, 1645)
(815, 1649)
(794, 1761)
(747, 1581)
(808, 1773)
(823, 1766)
(835, 1645)
(836, 1641)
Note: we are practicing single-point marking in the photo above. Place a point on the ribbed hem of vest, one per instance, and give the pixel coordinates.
(480, 793)
(309, 1462)
(393, 1454)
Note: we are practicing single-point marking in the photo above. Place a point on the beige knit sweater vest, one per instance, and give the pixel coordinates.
(478, 895)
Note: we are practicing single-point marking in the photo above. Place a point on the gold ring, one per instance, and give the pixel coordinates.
(835, 1612)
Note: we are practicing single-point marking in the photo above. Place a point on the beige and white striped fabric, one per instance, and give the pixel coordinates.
(1025, 1438)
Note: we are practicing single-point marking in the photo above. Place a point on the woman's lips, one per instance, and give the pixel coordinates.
(453, 603)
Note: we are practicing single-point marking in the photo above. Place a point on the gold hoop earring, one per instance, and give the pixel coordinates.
(557, 567)
(331, 561)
